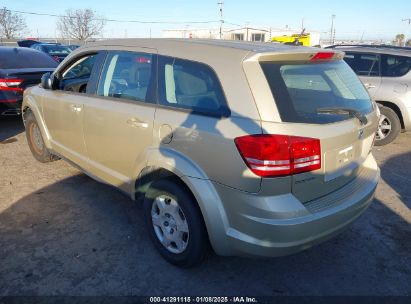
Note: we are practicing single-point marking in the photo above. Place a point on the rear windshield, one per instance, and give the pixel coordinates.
(57, 50)
(18, 59)
(301, 91)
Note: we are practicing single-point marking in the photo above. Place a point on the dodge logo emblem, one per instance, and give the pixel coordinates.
(360, 133)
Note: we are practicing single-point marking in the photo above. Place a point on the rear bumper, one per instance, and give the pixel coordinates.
(281, 225)
(10, 107)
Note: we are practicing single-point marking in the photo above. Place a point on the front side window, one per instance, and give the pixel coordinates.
(75, 78)
(395, 66)
(190, 85)
(364, 64)
(126, 75)
(302, 91)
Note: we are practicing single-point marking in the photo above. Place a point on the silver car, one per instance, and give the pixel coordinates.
(250, 149)
(385, 72)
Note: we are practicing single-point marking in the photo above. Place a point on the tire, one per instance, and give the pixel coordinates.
(389, 127)
(35, 140)
(166, 223)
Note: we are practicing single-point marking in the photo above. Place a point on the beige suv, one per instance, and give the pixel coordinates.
(254, 149)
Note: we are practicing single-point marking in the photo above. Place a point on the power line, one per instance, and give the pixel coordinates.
(117, 20)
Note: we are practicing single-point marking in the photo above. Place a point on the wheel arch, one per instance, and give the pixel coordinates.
(198, 185)
(30, 105)
(395, 108)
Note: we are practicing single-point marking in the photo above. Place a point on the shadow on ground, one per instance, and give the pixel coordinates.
(80, 237)
(396, 173)
(10, 127)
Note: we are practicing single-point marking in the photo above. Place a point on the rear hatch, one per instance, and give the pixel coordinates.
(328, 116)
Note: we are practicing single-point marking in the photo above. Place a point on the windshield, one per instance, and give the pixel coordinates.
(300, 91)
(57, 50)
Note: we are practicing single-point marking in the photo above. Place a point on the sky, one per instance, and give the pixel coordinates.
(355, 19)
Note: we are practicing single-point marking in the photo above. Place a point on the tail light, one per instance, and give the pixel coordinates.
(323, 56)
(11, 85)
(279, 155)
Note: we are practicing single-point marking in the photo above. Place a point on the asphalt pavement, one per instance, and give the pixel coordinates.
(62, 233)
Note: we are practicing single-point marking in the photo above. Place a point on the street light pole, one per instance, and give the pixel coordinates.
(221, 18)
(332, 33)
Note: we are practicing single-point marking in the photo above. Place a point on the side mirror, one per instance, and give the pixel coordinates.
(46, 81)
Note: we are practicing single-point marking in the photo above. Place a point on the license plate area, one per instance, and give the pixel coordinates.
(341, 162)
(344, 157)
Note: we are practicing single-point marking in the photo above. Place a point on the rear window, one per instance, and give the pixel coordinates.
(300, 91)
(395, 66)
(57, 50)
(18, 59)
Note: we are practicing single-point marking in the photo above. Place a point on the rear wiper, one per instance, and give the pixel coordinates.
(345, 111)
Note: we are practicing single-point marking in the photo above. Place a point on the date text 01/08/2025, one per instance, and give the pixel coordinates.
(203, 300)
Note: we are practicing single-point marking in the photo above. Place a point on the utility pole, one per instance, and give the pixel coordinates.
(408, 20)
(221, 18)
(332, 32)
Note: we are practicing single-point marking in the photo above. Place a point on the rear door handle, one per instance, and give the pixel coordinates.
(76, 108)
(369, 86)
(134, 122)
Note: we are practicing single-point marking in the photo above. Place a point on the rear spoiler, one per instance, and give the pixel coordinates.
(302, 56)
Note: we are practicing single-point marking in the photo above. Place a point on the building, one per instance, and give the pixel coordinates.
(247, 33)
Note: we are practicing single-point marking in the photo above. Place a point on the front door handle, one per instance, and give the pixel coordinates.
(369, 86)
(76, 108)
(134, 122)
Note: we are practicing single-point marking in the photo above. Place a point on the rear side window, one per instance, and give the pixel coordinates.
(190, 85)
(17, 58)
(301, 91)
(395, 66)
(364, 64)
(126, 75)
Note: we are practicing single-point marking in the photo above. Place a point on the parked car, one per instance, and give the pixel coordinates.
(27, 43)
(19, 69)
(57, 51)
(385, 72)
(258, 149)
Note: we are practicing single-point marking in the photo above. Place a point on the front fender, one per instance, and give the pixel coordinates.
(34, 105)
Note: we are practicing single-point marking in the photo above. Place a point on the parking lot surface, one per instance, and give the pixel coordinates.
(62, 233)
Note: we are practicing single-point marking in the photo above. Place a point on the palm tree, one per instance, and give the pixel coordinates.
(399, 39)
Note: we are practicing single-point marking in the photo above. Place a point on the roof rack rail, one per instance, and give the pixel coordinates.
(370, 46)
